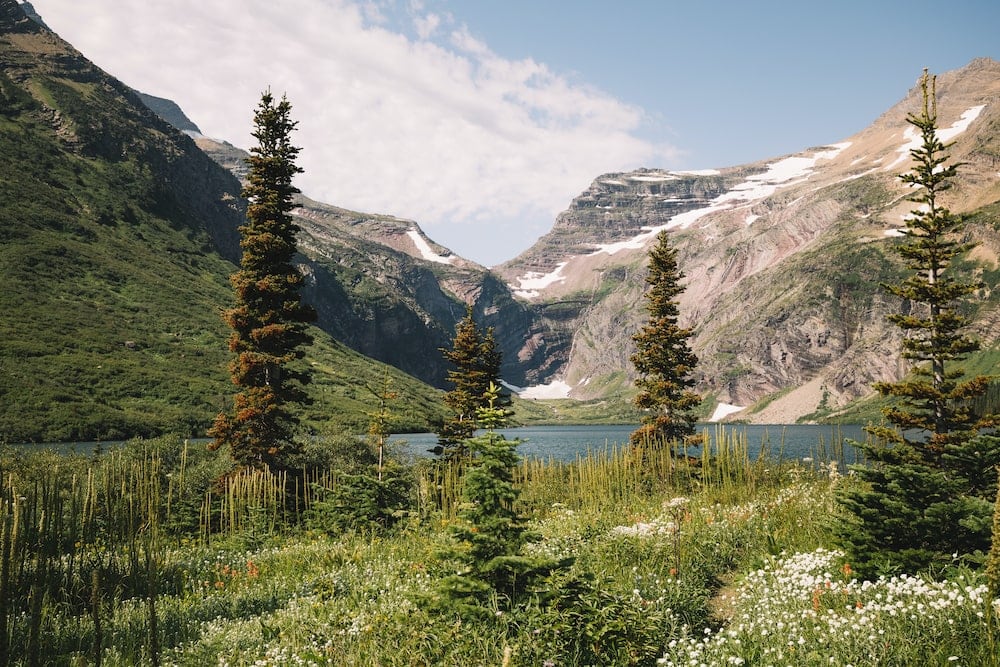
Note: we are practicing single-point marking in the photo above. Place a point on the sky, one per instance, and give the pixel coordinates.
(482, 119)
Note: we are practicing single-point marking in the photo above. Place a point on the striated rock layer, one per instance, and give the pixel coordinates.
(783, 259)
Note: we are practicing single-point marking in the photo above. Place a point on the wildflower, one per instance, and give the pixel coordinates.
(679, 502)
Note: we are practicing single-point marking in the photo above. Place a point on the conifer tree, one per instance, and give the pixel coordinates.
(476, 362)
(932, 478)
(663, 358)
(490, 529)
(269, 320)
(934, 400)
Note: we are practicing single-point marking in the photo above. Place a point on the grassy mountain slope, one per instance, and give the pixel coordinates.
(114, 236)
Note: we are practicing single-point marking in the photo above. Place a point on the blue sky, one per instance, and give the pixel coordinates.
(735, 82)
(481, 120)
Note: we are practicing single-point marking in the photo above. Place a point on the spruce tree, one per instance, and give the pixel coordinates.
(476, 365)
(663, 358)
(269, 320)
(929, 488)
(490, 530)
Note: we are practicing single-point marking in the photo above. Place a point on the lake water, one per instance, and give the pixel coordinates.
(565, 443)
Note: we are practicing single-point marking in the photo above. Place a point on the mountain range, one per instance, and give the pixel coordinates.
(784, 259)
(119, 229)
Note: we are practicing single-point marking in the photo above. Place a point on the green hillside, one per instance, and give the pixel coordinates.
(113, 231)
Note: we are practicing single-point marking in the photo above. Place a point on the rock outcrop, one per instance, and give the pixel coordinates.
(384, 289)
(784, 259)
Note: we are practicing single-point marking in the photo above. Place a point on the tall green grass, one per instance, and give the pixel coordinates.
(160, 553)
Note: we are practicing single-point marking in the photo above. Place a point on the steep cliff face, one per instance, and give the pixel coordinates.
(783, 259)
(384, 289)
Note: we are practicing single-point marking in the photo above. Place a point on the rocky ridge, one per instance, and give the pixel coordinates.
(385, 289)
(783, 256)
(783, 260)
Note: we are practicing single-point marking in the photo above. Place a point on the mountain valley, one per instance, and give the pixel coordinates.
(120, 228)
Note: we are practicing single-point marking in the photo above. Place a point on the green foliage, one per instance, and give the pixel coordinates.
(111, 253)
(928, 491)
(368, 493)
(933, 400)
(269, 319)
(632, 575)
(925, 518)
(587, 622)
(663, 357)
(490, 530)
(476, 361)
(362, 502)
(993, 580)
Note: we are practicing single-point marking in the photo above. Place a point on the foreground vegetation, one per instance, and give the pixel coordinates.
(149, 555)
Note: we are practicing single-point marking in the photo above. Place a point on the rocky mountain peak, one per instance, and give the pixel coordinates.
(170, 112)
(14, 17)
(783, 256)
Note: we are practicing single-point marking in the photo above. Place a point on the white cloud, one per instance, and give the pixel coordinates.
(443, 133)
(427, 25)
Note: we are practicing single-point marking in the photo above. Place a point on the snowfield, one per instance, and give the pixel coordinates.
(529, 284)
(425, 249)
(783, 173)
(555, 389)
(723, 410)
(914, 140)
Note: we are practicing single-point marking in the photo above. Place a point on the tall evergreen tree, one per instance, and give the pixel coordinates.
(476, 361)
(490, 530)
(269, 320)
(934, 400)
(932, 478)
(663, 358)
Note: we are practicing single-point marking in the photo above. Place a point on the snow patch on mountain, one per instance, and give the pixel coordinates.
(914, 140)
(635, 243)
(425, 249)
(698, 172)
(723, 410)
(653, 178)
(529, 284)
(783, 173)
(554, 389)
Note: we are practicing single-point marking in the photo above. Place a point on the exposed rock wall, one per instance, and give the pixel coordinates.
(784, 259)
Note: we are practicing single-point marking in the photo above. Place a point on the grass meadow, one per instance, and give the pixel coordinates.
(158, 554)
